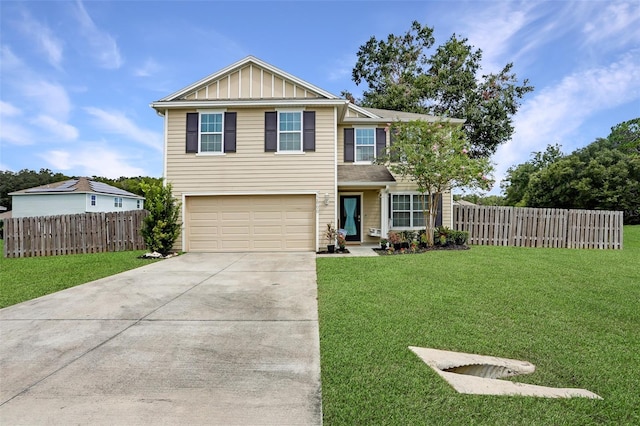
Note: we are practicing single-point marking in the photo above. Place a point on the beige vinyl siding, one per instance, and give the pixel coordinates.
(251, 170)
(251, 82)
(371, 214)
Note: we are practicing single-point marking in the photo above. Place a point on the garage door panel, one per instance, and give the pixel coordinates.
(250, 223)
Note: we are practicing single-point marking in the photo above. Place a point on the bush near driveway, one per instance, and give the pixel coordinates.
(572, 313)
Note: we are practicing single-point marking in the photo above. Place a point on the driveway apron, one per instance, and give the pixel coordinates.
(202, 338)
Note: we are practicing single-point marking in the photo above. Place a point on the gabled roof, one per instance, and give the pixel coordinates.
(77, 186)
(365, 114)
(249, 60)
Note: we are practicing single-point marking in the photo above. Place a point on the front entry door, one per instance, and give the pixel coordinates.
(350, 216)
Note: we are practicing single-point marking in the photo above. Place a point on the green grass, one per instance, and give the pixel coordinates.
(27, 278)
(575, 314)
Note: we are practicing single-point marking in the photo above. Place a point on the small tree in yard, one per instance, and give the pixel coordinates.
(161, 228)
(435, 156)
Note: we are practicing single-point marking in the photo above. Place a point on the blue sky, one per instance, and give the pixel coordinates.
(77, 77)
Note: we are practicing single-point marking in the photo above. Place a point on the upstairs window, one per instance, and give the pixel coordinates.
(117, 202)
(93, 200)
(365, 145)
(211, 132)
(290, 131)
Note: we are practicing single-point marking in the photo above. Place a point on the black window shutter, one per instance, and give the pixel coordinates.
(192, 132)
(230, 131)
(270, 131)
(381, 141)
(392, 138)
(309, 131)
(348, 145)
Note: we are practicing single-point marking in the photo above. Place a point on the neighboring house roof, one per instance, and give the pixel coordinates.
(80, 185)
(349, 174)
(5, 215)
(463, 203)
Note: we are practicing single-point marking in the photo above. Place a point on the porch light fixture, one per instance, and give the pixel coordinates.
(326, 198)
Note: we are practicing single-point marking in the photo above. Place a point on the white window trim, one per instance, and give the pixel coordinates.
(210, 111)
(117, 202)
(289, 152)
(392, 226)
(93, 200)
(355, 144)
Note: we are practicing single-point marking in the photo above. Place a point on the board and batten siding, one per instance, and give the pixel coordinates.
(252, 82)
(251, 170)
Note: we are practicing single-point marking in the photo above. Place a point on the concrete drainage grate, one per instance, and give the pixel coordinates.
(480, 374)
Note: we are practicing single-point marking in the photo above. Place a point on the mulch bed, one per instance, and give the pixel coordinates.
(383, 252)
(337, 251)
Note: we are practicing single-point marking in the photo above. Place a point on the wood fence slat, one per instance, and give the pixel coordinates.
(70, 234)
(546, 227)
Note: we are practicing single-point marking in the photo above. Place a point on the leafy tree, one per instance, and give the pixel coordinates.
(595, 177)
(434, 156)
(401, 76)
(516, 182)
(161, 228)
(130, 184)
(12, 181)
(482, 200)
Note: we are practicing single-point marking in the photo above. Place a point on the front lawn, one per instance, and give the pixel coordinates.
(575, 314)
(30, 277)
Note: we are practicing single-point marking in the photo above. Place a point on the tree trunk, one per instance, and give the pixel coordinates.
(431, 217)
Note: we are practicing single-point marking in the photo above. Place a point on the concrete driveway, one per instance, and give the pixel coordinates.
(196, 339)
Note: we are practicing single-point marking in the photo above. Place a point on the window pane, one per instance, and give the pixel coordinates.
(401, 219)
(364, 153)
(418, 219)
(211, 143)
(290, 121)
(211, 123)
(402, 202)
(365, 137)
(290, 142)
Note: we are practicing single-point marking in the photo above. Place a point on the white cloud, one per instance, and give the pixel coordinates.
(49, 98)
(493, 29)
(14, 133)
(46, 41)
(148, 69)
(8, 110)
(557, 112)
(616, 23)
(341, 68)
(92, 160)
(117, 123)
(103, 46)
(9, 62)
(56, 128)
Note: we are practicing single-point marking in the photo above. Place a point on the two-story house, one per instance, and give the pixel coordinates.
(262, 161)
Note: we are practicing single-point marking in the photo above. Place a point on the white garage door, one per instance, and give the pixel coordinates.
(250, 223)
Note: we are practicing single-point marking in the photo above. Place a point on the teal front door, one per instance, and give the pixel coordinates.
(350, 216)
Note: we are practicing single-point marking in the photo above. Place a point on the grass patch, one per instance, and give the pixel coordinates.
(572, 313)
(30, 277)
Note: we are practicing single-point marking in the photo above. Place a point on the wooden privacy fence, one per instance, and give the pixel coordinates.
(533, 227)
(73, 234)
